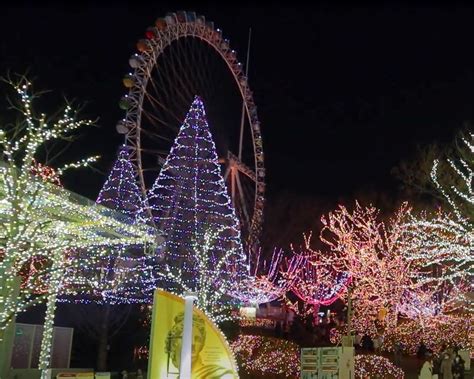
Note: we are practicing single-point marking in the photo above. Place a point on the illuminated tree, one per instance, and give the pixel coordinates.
(442, 244)
(190, 204)
(318, 282)
(368, 249)
(267, 279)
(120, 192)
(41, 221)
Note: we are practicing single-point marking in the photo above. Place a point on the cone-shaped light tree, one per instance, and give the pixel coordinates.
(121, 275)
(121, 192)
(190, 204)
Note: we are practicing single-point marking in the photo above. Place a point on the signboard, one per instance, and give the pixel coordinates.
(27, 346)
(75, 375)
(102, 375)
(211, 355)
(327, 363)
(309, 363)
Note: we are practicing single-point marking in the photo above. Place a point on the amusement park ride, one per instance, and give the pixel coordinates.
(184, 55)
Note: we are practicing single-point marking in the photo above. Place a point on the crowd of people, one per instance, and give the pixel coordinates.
(447, 365)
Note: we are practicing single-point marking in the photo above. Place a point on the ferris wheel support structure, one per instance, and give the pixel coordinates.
(173, 27)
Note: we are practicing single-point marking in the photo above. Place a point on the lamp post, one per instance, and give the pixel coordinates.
(187, 342)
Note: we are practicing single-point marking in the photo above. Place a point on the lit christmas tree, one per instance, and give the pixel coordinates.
(190, 204)
(121, 273)
(121, 192)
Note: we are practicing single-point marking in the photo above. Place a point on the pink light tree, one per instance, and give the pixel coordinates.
(369, 250)
(318, 282)
(267, 279)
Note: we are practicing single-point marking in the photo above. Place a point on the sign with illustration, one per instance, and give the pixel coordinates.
(211, 355)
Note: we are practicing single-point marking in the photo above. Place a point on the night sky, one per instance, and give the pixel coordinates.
(343, 93)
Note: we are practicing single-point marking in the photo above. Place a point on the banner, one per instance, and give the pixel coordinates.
(211, 355)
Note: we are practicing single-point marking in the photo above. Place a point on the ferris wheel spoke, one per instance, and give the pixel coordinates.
(226, 173)
(242, 167)
(242, 199)
(153, 118)
(159, 103)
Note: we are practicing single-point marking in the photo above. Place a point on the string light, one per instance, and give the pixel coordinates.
(120, 192)
(375, 366)
(446, 240)
(43, 222)
(267, 355)
(190, 204)
(434, 332)
(318, 283)
(267, 280)
(369, 251)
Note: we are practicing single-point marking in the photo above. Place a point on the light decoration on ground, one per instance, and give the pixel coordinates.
(369, 250)
(375, 366)
(257, 323)
(42, 220)
(267, 279)
(267, 355)
(317, 283)
(190, 204)
(450, 330)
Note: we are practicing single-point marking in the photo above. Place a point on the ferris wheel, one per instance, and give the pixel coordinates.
(182, 56)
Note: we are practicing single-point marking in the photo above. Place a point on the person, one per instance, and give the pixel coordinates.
(397, 353)
(139, 374)
(426, 370)
(199, 369)
(367, 343)
(124, 374)
(458, 367)
(278, 329)
(446, 366)
(421, 352)
(378, 341)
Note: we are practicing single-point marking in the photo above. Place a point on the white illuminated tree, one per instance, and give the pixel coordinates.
(41, 221)
(443, 244)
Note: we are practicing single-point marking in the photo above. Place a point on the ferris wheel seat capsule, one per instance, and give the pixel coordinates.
(128, 81)
(121, 127)
(150, 33)
(171, 18)
(181, 17)
(160, 24)
(135, 61)
(125, 103)
(191, 16)
(201, 20)
(143, 46)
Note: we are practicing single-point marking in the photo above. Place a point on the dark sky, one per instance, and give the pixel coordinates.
(343, 92)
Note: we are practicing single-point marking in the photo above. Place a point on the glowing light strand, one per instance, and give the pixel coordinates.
(191, 205)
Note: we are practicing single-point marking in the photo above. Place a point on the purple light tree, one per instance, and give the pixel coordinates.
(120, 191)
(190, 204)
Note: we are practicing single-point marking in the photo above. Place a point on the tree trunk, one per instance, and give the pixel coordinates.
(103, 340)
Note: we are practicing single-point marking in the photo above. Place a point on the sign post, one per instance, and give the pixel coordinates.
(186, 346)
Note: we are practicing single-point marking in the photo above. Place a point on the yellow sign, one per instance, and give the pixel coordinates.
(211, 355)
